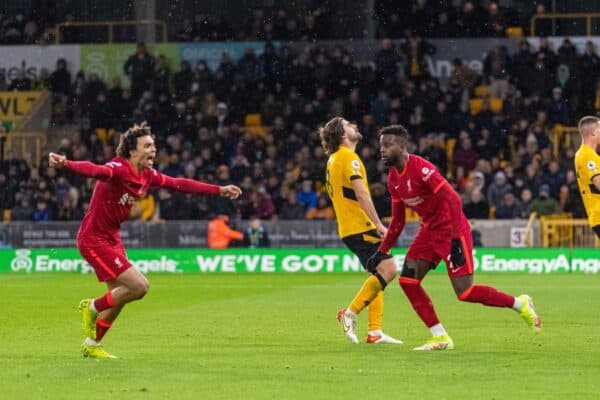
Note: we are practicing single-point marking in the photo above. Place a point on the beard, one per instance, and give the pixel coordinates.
(389, 161)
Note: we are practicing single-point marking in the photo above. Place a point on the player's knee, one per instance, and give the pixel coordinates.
(140, 288)
(408, 278)
(407, 272)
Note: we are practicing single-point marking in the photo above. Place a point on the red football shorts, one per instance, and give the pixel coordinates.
(108, 261)
(434, 246)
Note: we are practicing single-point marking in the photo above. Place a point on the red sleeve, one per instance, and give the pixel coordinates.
(89, 169)
(185, 185)
(447, 195)
(396, 225)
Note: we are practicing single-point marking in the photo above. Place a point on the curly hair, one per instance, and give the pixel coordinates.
(128, 140)
(331, 135)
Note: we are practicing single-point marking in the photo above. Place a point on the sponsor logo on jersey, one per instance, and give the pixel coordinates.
(413, 201)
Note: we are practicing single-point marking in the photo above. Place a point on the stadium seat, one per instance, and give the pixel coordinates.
(104, 135)
(6, 215)
(475, 105)
(496, 105)
(492, 214)
(481, 91)
(253, 124)
(411, 215)
(514, 32)
(450, 145)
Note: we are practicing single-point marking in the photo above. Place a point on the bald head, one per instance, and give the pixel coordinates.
(589, 125)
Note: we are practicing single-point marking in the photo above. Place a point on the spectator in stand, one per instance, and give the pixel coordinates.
(42, 213)
(22, 211)
(139, 67)
(496, 20)
(469, 20)
(543, 26)
(497, 189)
(307, 196)
(21, 82)
(589, 71)
(464, 154)
(323, 210)
(464, 76)
(554, 178)
(60, 79)
(544, 204)
(416, 52)
(509, 208)
(558, 110)
(477, 207)
(223, 205)
(291, 208)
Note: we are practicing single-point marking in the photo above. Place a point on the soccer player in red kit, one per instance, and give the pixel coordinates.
(444, 234)
(120, 181)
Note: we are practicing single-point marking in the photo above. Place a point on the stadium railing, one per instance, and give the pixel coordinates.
(566, 16)
(564, 137)
(560, 230)
(25, 145)
(110, 27)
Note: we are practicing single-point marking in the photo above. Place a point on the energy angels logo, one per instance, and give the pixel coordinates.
(22, 261)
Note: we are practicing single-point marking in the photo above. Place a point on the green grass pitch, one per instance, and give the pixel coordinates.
(276, 337)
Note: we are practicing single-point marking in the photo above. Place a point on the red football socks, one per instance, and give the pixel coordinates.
(419, 300)
(102, 326)
(488, 296)
(104, 303)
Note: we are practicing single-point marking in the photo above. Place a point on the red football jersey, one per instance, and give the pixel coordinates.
(112, 199)
(416, 186)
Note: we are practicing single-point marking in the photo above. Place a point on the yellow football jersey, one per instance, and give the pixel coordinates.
(344, 166)
(587, 166)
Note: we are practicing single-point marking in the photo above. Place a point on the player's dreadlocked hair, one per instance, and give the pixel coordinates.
(397, 130)
(128, 140)
(331, 135)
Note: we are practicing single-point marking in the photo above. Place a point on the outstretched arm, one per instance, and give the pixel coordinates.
(192, 186)
(396, 225)
(84, 168)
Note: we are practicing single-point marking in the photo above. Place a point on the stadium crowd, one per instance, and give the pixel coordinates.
(307, 20)
(253, 123)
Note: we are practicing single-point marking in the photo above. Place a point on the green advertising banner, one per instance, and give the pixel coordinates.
(532, 261)
(107, 60)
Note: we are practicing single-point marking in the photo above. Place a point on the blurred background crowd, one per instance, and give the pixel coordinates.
(253, 122)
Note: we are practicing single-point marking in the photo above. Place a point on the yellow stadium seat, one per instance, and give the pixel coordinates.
(105, 135)
(481, 91)
(514, 32)
(475, 105)
(450, 145)
(253, 124)
(492, 214)
(496, 105)
(252, 120)
(411, 215)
